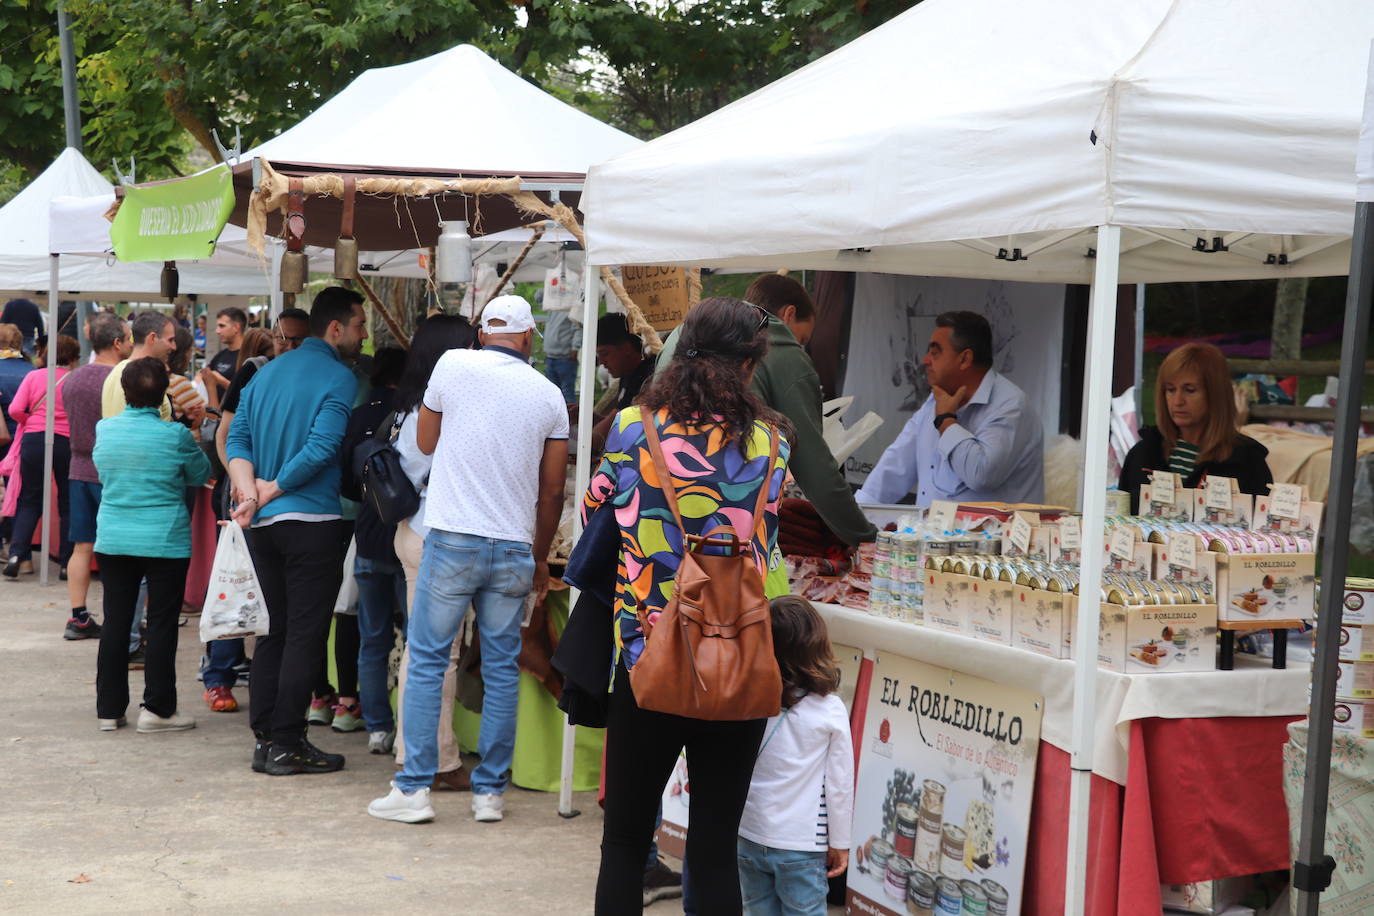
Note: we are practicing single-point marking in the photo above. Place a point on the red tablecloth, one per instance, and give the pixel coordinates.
(1204, 800)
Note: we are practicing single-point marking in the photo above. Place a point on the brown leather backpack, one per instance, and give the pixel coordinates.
(710, 655)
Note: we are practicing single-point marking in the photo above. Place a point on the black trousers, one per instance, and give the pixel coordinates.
(120, 576)
(641, 750)
(30, 506)
(300, 568)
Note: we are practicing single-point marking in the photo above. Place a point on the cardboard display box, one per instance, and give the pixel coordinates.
(1154, 638)
(946, 602)
(1038, 621)
(1255, 587)
(990, 610)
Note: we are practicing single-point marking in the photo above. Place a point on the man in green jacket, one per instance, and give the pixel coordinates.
(787, 382)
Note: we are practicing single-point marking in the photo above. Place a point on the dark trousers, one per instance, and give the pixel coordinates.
(300, 568)
(30, 506)
(642, 748)
(121, 576)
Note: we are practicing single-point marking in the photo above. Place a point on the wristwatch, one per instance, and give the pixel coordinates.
(942, 417)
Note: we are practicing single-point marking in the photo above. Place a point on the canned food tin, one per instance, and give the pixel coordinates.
(949, 897)
(997, 897)
(975, 898)
(898, 871)
(920, 894)
(904, 838)
(952, 851)
(878, 854)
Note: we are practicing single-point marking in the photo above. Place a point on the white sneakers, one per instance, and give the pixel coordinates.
(109, 725)
(149, 721)
(487, 808)
(398, 806)
(381, 742)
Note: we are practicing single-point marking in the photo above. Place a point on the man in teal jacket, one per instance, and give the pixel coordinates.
(787, 382)
(284, 468)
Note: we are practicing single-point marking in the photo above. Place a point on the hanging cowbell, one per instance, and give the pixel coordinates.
(346, 247)
(170, 280)
(295, 269)
(453, 253)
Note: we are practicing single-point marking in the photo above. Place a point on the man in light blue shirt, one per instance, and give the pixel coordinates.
(975, 439)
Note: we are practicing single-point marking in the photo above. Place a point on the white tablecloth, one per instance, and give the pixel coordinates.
(1253, 689)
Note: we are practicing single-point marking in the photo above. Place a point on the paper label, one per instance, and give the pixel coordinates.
(1021, 533)
(1162, 488)
(1183, 551)
(1218, 495)
(942, 512)
(1123, 543)
(1071, 532)
(1286, 500)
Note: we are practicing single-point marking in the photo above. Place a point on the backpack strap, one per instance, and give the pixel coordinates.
(669, 489)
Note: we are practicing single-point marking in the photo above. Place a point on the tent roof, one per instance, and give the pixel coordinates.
(457, 109)
(965, 127)
(25, 224)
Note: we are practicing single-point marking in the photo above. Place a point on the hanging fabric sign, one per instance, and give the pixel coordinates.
(173, 221)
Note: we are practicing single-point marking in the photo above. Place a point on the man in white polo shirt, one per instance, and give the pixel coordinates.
(498, 431)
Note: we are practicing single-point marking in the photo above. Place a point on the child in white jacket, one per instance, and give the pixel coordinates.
(795, 829)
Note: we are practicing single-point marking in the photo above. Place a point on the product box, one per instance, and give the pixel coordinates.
(1058, 552)
(1155, 638)
(1038, 621)
(1166, 571)
(1308, 523)
(947, 598)
(1140, 563)
(1241, 512)
(1358, 604)
(990, 611)
(1357, 642)
(1181, 510)
(1355, 680)
(1353, 717)
(1265, 586)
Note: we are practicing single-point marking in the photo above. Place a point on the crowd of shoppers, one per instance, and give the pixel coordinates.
(283, 420)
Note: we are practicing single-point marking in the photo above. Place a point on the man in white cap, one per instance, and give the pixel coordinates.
(498, 431)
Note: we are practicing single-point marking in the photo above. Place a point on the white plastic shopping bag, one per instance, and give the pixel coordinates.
(233, 602)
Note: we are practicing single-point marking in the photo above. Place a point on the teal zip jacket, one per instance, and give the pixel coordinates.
(786, 381)
(290, 423)
(145, 465)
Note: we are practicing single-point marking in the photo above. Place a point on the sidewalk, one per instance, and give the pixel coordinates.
(178, 823)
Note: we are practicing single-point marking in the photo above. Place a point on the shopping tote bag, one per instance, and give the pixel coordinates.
(233, 601)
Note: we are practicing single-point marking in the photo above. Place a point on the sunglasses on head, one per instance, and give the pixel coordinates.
(764, 315)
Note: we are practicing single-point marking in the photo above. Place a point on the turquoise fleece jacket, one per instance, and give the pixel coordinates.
(290, 423)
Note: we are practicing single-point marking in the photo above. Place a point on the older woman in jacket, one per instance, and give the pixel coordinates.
(143, 530)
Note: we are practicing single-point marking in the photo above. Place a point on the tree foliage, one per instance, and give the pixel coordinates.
(157, 76)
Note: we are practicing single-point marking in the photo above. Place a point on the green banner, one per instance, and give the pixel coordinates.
(177, 220)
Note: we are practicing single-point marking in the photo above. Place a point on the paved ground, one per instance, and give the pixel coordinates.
(122, 822)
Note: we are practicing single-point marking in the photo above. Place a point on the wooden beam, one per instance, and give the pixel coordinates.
(1287, 367)
(1302, 414)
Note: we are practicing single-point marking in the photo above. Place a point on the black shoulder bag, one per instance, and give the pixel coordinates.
(385, 486)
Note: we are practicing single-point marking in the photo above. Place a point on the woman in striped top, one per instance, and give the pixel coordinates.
(1196, 433)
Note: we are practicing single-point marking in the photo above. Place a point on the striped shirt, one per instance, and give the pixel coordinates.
(1183, 458)
(183, 394)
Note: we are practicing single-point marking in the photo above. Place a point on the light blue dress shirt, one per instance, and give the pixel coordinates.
(993, 452)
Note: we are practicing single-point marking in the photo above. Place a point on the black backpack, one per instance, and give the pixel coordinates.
(385, 486)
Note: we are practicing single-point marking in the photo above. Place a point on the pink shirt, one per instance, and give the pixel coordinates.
(31, 390)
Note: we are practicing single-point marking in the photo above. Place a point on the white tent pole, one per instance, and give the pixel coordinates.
(277, 248)
(50, 413)
(591, 295)
(1097, 388)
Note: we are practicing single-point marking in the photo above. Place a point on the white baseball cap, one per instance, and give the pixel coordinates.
(514, 311)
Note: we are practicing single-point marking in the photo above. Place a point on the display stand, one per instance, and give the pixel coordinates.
(1229, 629)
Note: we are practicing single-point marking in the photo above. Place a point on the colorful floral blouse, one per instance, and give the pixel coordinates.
(716, 485)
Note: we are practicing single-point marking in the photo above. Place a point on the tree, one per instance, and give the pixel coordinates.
(117, 119)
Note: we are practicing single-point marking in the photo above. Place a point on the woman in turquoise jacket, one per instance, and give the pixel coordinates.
(143, 530)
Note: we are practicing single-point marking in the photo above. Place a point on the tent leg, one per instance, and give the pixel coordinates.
(1097, 416)
(591, 295)
(50, 413)
(1310, 875)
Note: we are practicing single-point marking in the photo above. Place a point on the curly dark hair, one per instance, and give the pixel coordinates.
(707, 377)
(801, 644)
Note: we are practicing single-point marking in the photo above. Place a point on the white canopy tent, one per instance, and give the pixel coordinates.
(27, 222)
(1050, 140)
(457, 109)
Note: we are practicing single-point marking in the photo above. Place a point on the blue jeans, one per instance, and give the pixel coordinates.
(494, 577)
(381, 591)
(781, 882)
(562, 371)
(224, 654)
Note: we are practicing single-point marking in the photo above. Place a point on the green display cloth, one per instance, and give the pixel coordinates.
(538, 761)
